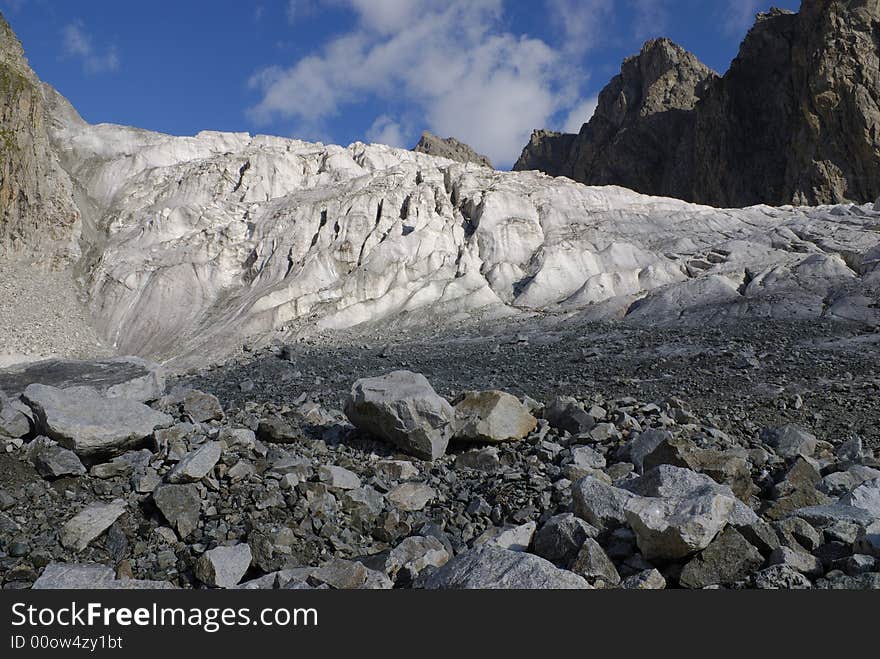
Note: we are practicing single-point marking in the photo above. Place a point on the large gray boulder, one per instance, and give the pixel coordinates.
(91, 576)
(195, 465)
(598, 503)
(496, 569)
(402, 408)
(670, 529)
(492, 417)
(90, 424)
(117, 377)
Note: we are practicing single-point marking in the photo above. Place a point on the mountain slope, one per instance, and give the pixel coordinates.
(796, 119)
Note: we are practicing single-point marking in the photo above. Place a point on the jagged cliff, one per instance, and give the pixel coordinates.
(449, 148)
(796, 119)
(37, 215)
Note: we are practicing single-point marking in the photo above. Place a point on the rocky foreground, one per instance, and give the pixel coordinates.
(296, 475)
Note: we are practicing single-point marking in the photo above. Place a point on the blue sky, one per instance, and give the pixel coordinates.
(485, 71)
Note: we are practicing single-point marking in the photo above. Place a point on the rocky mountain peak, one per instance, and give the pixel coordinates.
(449, 148)
(796, 119)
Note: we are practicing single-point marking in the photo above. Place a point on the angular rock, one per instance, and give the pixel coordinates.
(52, 461)
(644, 444)
(89, 523)
(411, 497)
(559, 540)
(865, 496)
(402, 408)
(90, 424)
(675, 528)
(338, 477)
(599, 504)
(194, 466)
(514, 538)
(202, 407)
(64, 576)
(781, 577)
(797, 560)
(492, 417)
(790, 441)
(593, 564)
(567, 415)
(407, 560)
(821, 516)
(449, 148)
(645, 580)
(493, 568)
(224, 567)
(728, 558)
(181, 506)
(868, 540)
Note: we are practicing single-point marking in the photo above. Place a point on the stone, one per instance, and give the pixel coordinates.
(798, 533)
(493, 568)
(126, 377)
(492, 417)
(593, 564)
(411, 497)
(821, 516)
(180, 505)
(124, 465)
(587, 457)
(396, 470)
(89, 523)
(728, 558)
(53, 461)
(224, 567)
(338, 477)
(403, 409)
(514, 538)
(90, 424)
(567, 415)
(868, 540)
(859, 564)
(599, 504)
(201, 407)
(644, 443)
(671, 529)
(484, 459)
(797, 559)
(865, 496)
(560, 538)
(409, 558)
(781, 577)
(341, 574)
(195, 465)
(790, 441)
(277, 431)
(15, 419)
(62, 576)
(645, 580)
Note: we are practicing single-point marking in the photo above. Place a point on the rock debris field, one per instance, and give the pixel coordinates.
(530, 456)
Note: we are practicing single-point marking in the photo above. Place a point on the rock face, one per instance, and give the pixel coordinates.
(794, 120)
(37, 213)
(89, 424)
(403, 408)
(451, 149)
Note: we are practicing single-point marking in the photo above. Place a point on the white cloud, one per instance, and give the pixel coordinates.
(451, 60)
(580, 114)
(77, 43)
(740, 15)
(386, 130)
(651, 18)
(582, 22)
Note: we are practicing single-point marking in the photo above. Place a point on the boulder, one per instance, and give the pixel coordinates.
(670, 529)
(566, 414)
(492, 417)
(593, 564)
(728, 558)
(494, 568)
(561, 537)
(201, 407)
(89, 523)
(224, 567)
(865, 496)
(402, 408)
(132, 378)
(514, 538)
(89, 424)
(338, 477)
(53, 461)
(598, 503)
(406, 561)
(411, 497)
(790, 441)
